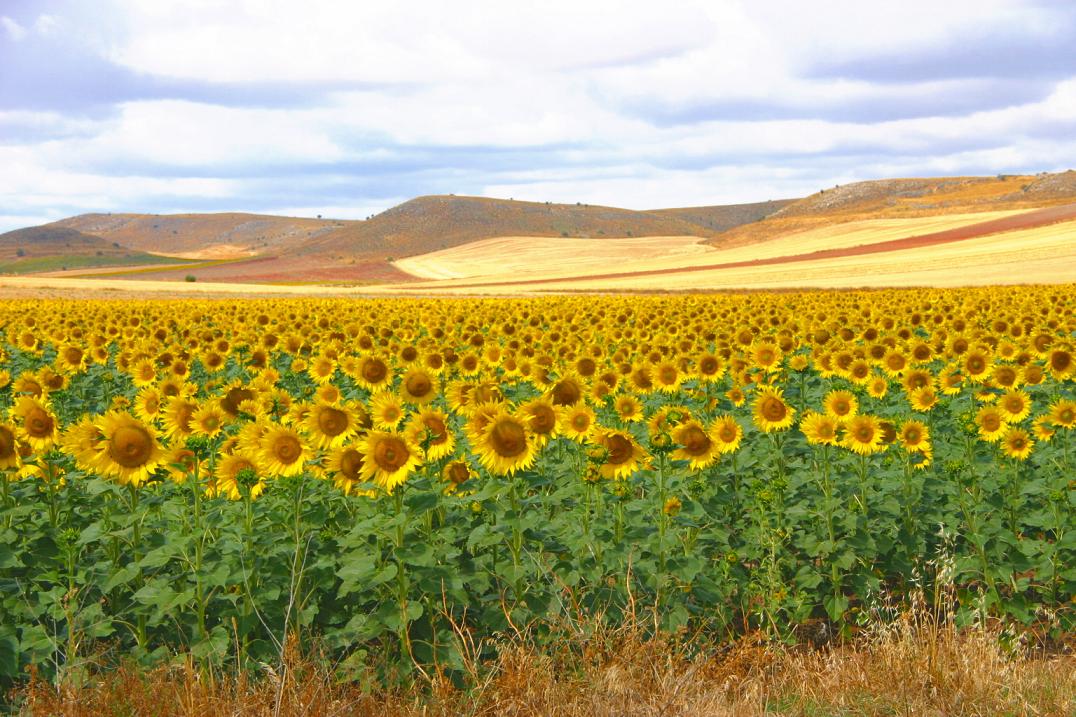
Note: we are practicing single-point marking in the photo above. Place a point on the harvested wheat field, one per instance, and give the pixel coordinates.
(959, 250)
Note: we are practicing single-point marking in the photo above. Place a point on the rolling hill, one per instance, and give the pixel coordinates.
(450, 239)
(51, 247)
(201, 236)
(907, 198)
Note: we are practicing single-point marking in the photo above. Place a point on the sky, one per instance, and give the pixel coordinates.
(344, 109)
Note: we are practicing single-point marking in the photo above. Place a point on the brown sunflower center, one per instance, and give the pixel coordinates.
(620, 450)
(508, 438)
(708, 366)
(436, 427)
(351, 464)
(991, 422)
(1060, 360)
(418, 384)
(7, 443)
(374, 371)
(287, 449)
(458, 472)
(695, 441)
(773, 409)
(391, 454)
(38, 423)
(543, 419)
(130, 446)
(332, 421)
(566, 393)
(234, 397)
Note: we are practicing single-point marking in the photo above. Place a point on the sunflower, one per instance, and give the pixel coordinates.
(976, 365)
(1015, 404)
(84, 441)
(283, 451)
(695, 445)
(577, 422)
(208, 421)
(328, 393)
(859, 372)
(894, 362)
(863, 435)
(667, 376)
(1060, 363)
(386, 410)
(1017, 443)
(727, 433)
(9, 452)
(418, 386)
(841, 405)
(1062, 413)
(766, 356)
(345, 464)
(388, 458)
(147, 403)
(877, 386)
(914, 437)
(37, 426)
(543, 419)
(71, 358)
(709, 367)
(143, 373)
(991, 422)
(1042, 429)
(227, 479)
(428, 429)
(819, 428)
(178, 413)
(321, 369)
(506, 446)
(181, 462)
(131, 451)
(950, 380)
(923, 399)
(567, 391)
(736, 396)
(329, 426)
(456, 473)
(1006, 376)
(235, 398)
(628, 408)
(770, 411)
(622, 455)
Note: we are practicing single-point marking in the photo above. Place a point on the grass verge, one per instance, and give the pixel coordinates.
(913, 666)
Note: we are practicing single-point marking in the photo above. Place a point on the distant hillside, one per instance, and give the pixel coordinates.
(200, 236)
(430, 223)
(905, 198)
(723, 218)
(50, 248)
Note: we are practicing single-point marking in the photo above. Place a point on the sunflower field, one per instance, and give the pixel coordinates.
(401, 479)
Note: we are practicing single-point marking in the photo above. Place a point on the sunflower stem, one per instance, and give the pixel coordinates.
(404, 632)
(662, 525)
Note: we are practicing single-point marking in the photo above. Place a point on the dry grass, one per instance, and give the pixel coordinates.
(914, 666)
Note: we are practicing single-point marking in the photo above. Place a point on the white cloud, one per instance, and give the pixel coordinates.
(14, 30)
(560, 100)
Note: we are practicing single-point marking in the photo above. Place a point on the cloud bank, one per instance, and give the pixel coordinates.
(344, 109)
